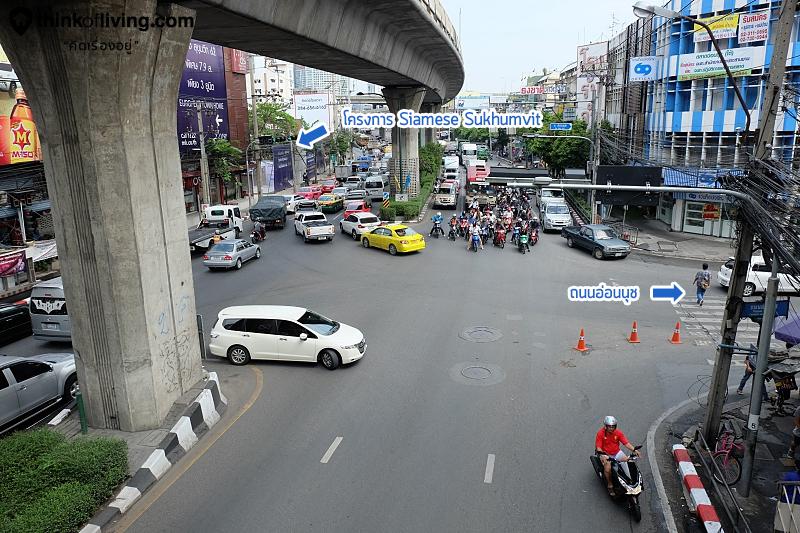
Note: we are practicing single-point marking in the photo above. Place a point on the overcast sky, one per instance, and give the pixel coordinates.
(502, 40)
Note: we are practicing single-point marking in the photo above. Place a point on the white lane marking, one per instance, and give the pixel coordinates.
(331, 449)
(487, 477)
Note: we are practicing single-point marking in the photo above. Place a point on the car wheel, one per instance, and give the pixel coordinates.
(598, 253)
(295, 231)
(305, 239)
(355, 235)
(365, 242)
(239, 263)
(341, 227)
(71, 388)
(238, 355)
(749, 289)
(569, 242)
(258, 253)
(329, 359)
(392, 249)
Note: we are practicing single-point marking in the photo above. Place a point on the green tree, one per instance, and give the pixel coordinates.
(560, 154)
(502, 138)
(273, 119)
(222, 157)
(430, 158)
(339, 143)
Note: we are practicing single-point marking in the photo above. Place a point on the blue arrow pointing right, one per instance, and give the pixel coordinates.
(670, 293)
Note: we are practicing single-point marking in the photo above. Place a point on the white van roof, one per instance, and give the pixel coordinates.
(55, 283)
(281, 312)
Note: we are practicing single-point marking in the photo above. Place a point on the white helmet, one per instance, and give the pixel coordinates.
(439, 214)
(610, 421)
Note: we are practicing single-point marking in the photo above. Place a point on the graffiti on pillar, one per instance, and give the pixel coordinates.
(163, 324)
(183, 306)
(168, 366)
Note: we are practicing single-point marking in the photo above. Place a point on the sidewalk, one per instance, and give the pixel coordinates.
(774, 436)
(654, 238)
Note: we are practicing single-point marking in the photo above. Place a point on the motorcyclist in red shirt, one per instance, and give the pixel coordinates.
(607, 445)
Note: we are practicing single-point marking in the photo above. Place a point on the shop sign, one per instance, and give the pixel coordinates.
(753, 26)
(723, 27)
(12, 263)
(700, 197)
(741, 62)
(711, 212)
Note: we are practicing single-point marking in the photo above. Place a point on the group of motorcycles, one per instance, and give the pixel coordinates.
(524, 234)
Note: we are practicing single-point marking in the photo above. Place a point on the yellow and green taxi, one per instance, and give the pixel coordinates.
(395, 238)
(330, 203)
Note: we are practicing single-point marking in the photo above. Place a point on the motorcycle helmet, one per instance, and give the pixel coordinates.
(610, 421)
(439, 214)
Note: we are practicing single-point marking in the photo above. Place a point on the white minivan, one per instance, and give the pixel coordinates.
(284, 333)
(374, 187)
(48, 307)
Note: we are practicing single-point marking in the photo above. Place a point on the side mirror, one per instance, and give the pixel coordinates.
(303, 337)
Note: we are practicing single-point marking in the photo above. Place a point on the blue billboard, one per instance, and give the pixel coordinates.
(282, 162)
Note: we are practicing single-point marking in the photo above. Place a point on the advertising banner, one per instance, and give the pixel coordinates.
(592, 62)
(741, 61)
(239, 61)
(643, 68)
(282, 160)
(268, 176)
(476, 101)
(314, 108)
(753, 26)
(203, 84)
(311, 164)
(12, 263)
(592, 57)
(723, 27)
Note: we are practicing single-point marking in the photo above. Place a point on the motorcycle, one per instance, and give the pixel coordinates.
(627, 482)
(515, 236)
(437, 229)
(462, 228)
(256, 237)
(452, 234)
(475, 243)
(523, 243)
(534, 236)
(500, 238)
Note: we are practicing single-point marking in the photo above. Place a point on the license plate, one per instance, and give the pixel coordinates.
(49, 326)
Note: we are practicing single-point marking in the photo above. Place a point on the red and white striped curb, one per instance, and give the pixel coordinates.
(694, 487)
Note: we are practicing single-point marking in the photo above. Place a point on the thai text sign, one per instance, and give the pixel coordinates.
(753, 26)
(708, 65)
(723, 27)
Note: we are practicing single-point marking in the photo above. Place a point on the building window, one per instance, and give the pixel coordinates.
(190, 200)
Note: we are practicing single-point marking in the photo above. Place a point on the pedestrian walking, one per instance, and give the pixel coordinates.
(701, 281)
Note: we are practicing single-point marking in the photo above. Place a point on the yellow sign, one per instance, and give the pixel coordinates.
(723, 27)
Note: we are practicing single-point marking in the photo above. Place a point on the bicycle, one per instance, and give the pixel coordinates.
(725, 456)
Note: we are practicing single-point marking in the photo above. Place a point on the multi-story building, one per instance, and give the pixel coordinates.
(273, 78)
(688, 117)
(307, 78)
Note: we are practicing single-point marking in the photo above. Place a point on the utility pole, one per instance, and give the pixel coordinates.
(254, 102)
(204, 174)
(744, 250)
(592, 156)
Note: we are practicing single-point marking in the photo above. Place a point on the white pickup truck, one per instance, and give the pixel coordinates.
(313, 226)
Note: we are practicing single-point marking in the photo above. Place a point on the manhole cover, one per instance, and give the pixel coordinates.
(476, 372)
(481, 334)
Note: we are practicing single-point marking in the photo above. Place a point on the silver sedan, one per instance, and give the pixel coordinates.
(231, 254)
(30, 384)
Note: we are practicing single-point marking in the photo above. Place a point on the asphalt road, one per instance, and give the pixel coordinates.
(407, 439)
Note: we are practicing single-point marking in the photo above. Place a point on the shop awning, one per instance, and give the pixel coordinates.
(38, 206)
(788, 329)
(701, 177)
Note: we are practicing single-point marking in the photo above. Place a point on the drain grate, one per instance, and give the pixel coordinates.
(476, 372)
(481, 334)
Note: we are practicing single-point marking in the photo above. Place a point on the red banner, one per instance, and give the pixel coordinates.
(12, 263)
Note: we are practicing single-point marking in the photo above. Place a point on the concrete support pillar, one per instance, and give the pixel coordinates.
(107, 120)
(429, 134)
(405, 143)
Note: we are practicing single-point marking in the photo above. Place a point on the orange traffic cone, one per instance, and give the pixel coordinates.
(676, 335)
(634, 338)
(581, 347)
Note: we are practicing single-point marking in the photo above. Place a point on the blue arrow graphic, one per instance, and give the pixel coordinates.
(307, 138)
(667, 293)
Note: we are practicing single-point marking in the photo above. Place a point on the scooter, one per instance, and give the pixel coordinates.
(534, 236)
(256, 237)
(462, 228)
(515, 236)
(437, 229)
(523, 243)
(500, 238)
(627, 482)
(475, 243)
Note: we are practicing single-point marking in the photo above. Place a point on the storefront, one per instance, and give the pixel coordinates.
(191, 186)
(699, 213)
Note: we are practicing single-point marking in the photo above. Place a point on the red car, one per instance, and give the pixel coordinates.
(328, 186)
(355, 207)
(312, 192)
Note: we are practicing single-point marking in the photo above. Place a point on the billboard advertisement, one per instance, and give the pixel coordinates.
(723, 27)
(239, 61)
(643, 68)
(628, 175)
(282, 162)
(477, 101)
(314, 108)
(203, 85)
(753, 26)
(592, 62)
(311, 164)
(741, 61)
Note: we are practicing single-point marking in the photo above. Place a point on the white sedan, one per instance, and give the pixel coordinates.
(291, 201)
(284, 333)
(757, 276)
(359, 223)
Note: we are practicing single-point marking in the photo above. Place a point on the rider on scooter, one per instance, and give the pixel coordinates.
(259, 228)
(437, 223)
(607, 445)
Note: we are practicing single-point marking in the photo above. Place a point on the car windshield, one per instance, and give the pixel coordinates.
(318, 323)
(353, 206)
(326, 197)
(369, 220)
(405, 232)
(604, 234)
(222, 247)
(374, 185)
(304, 189)
(558, 209)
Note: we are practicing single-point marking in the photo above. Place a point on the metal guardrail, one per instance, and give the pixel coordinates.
(439, 14)
(725, 496)
(579, 216)
(787, 510)
(625, 232)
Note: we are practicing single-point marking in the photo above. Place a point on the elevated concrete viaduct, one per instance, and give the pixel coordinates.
(104, 98)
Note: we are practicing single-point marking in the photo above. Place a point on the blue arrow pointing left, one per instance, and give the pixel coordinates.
(307, 138)
(673, 293)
